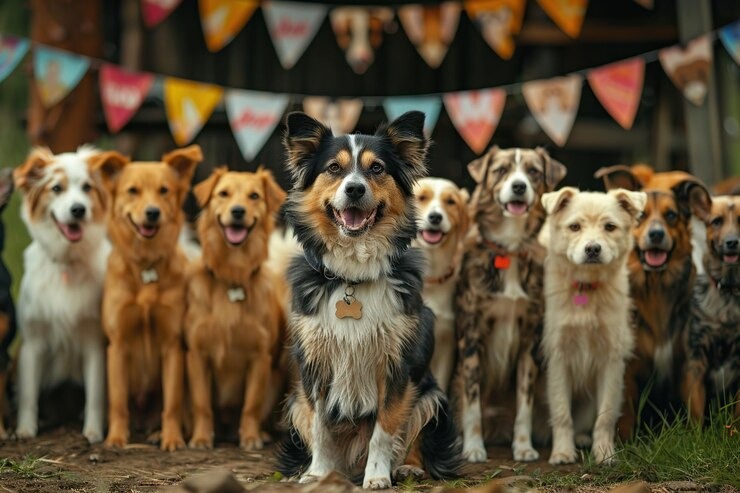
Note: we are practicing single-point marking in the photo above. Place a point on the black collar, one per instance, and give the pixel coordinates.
(316, 264)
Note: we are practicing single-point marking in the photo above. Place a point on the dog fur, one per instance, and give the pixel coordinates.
(7, 309)
(59, 302)
(587, 337)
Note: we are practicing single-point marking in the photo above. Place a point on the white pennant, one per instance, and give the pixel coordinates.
(554, 104)
(253, 116)
(292, 27)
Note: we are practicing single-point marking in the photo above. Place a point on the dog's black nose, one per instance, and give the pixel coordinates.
(435, 218)
(731, 244)
(77, 210)
(519, 187)
(237, 212)
(656, 235)
(152, 214)
(593, 250)
(354, 190)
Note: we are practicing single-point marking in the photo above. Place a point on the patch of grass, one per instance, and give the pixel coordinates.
(29, 467)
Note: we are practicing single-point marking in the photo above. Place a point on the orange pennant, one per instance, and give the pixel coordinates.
(188, 106)
(431, 28)
(223, 19)
(567, 14)
(499, 21)
(618, 86)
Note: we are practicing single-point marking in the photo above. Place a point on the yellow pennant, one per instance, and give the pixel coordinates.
(223, 19)
(188, 105)
(567, 14)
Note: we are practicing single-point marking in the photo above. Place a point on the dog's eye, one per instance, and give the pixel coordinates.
(610, 226)
(575, 227)
(421, 198)
(334, 168)
(376, 168)
(533, 172)
(501, 171)
(86, 187)
(223, 193)
(254, 196)
(163, 190)
(56, 188)
(671, 216)
(451, 201)
(133, 191)
(717, 221)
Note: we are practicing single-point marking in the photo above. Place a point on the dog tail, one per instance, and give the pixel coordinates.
(292, 454)
(441, 447)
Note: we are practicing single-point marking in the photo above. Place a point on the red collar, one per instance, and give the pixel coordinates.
(443, 278)
(501, 256)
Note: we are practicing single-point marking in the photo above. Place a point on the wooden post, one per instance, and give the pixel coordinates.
(703, 136)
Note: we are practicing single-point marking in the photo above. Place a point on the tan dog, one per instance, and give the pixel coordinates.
(235, 321)
(144, 294)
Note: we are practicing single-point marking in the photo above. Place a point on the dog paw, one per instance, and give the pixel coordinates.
(562, 457)
(476, 453)
(583, 440)
(171, 442)
(251, 443)
(309, 478)
(154, 438)
(525, 454)
(93, 435)
(603, 453)
(407, 471)
(116, 441)
(201, 443)
(24, 432)
(376, 483)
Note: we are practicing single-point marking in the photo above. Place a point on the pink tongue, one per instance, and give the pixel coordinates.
(235, 234)
(73, 232)
(516, 208)
(731, 259)
(147, 231)
(431, 237)
(656, 258)
(353, 217)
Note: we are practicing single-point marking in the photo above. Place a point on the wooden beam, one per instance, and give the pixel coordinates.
(541, 33)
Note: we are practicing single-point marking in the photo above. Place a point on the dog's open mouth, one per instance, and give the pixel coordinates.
(655, 257)
(432, 236)
(236, 234)
(145, 230)
(71, 231)
(516, 207)
(730, 259)
(355, 220)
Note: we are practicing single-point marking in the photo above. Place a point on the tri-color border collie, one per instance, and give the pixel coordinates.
(360, 335)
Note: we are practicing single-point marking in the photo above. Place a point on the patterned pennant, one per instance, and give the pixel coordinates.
(359, 32)
(57, 73)
(689, 68)
(341, 115)
(223, 19)
(730, 36)
(122, 93)
(499, 21)
(431, 28)
(475, 115)
(188, 106)
(292, 27)
(618, 87)
(429, 105)
(253, 116)
(554, 104)
(155, 11)
(12, 51)
(567, 14)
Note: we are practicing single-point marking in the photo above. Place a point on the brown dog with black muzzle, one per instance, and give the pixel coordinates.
(144, 293)
(235, 321)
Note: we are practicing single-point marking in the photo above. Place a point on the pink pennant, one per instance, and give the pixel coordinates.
(618, 86)
(155, 11)
(122, 93)
(476, 115)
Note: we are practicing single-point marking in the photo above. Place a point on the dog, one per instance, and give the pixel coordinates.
(144, 294)
(234, 324)
(359, 333)
(443, 223)
(587, 336)
(662, 276)
(713, 341)
(7, 309)
(59, 300)
(499, 294)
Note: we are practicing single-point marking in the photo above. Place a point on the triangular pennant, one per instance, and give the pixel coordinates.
(253, 116)
(122, 93)
(188, 106)
(429, 105)
(730, 36)
(689, 68)
(431, 28)
(57, 73)
(567, 14)
(359, 31)
(292, 27)
(499, 21)
(554, 104)
(12, 51)
(618, 86)
(223, 19)
(340, 115)
(475, 115)
(648, 4)
(155, 11)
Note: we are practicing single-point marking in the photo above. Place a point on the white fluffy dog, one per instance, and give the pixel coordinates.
(587, 335)
(60, 295)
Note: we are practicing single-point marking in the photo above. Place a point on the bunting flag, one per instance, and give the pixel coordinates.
(475, 115)
(429, 105)
(340, 115)
(12, 51)
(253, 116)
(729, 35)
(689, 68)
(223, 19)
(618, 87)
(188, 106)
(567, 14)
(431, 28)
(292, 27)
(57, 73)
(554, 104)
(499, 21)
(155, 11)
(122, 93)
(359, 31)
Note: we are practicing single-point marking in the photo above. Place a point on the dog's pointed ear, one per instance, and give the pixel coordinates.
(204, 189)
(406, 134)
(274, 194)
(303, 137)
(6, 186)
(555, 171)
(479, 167)
(107, 167)
(183, 162)
(618, 176)
(631, 201)
(32, 170)
(554, 202)
(693, 197)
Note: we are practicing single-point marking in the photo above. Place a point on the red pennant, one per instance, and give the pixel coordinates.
(618, 86)
(475, 115)
(155, 11)
(122, 93)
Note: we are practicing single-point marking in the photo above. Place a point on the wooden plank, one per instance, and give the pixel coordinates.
(541, 33)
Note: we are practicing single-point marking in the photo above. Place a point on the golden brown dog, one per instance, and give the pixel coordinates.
(235, 321)
(144, 294)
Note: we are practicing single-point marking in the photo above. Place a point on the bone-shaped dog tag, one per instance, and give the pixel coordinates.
(236, 294)
(149, 275)
(349, 309)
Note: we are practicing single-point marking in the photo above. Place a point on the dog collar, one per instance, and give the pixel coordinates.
(443, 278)
(348, 306)
(501, 256)
(580, 298)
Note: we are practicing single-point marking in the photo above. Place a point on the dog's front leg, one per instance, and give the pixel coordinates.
(559, 395)
(609, 403)
(693, 389)
(257, 377)
(199, 378)
(474, 449)
(117, 394)
(324, 456)
(526, 376)
(30, 361)
(93, 370)
(628, 419)
(173, 375)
